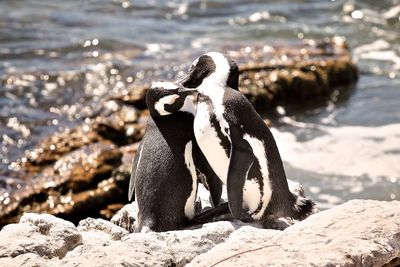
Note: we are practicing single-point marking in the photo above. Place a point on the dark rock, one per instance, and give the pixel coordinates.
(77, 185)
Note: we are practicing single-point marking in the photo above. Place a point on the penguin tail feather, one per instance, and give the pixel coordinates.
(302, 208)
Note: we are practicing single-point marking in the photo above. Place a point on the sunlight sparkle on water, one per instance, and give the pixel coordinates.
(357, 14)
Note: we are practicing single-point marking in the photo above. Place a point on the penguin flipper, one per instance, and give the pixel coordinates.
(241, 159)
(135, 164)
(215, 185)
(210, 179)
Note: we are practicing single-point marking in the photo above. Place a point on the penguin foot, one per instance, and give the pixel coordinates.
(211, 215)
(277, 223)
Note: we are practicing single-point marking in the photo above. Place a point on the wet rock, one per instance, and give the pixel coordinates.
(357, 233)
(51, 149)
(123, 172)
(133, 96)
(88, 165)
(271, 75)
(110, 210)
(295, 74)
(121, 127)
(76, 186)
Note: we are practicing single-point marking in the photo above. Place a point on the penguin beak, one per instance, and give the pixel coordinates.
(185, 81)
(192, 79)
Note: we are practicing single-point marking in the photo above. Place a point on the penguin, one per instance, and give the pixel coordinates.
(166, 169)
(237, 143)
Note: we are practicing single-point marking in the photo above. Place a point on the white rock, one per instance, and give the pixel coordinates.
(148, 249)
(91, 224)
(358, 233)
(126, 217)
(41, 234)
(27, 260)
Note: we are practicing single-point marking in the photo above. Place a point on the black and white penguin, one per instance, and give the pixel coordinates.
(166, 168)
(237, 143)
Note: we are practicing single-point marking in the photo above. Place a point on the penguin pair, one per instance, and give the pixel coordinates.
(235, 141)
(167, 167)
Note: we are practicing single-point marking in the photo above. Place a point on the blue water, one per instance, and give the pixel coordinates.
(59, 59)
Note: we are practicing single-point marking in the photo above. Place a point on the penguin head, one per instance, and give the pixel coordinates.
(164, 98)
(212, 69)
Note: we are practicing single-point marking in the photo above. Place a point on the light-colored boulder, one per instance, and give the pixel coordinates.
(126, 217)
(187, 244)
(42, 234)
(103, 226)
(357, 233)
(148, 249)
(28, 260)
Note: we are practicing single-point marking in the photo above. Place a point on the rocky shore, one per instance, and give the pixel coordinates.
(84, 171)
(357, 233)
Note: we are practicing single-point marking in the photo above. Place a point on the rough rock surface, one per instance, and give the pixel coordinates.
(357, 233)
(43, 235)
(126, 217)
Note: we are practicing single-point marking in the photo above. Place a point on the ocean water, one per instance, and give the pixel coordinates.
(59, 59)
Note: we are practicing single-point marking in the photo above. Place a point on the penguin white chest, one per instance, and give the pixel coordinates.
(209, 143)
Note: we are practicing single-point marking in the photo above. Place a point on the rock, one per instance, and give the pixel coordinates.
(295, 74)
(357, 233)
(76, 185)
(187, 244)
(88, 165)
(270, 75)
(121, 127)
(119, 124)
(139, 250)
(53, 147)
(43, 235)
(91, 224)
(28, 259)
(126, 217)
(175, 248)
(133, 96)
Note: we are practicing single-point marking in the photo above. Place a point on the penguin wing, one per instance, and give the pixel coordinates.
(135, 164)
(241, 159)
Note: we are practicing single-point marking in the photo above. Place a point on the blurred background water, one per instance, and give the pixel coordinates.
(59, 59)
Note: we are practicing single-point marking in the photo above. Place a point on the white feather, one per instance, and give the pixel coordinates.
(189, 105)
(251, 195)
(259, 152)
(209, 143)
(159, 105)
(190, 202)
